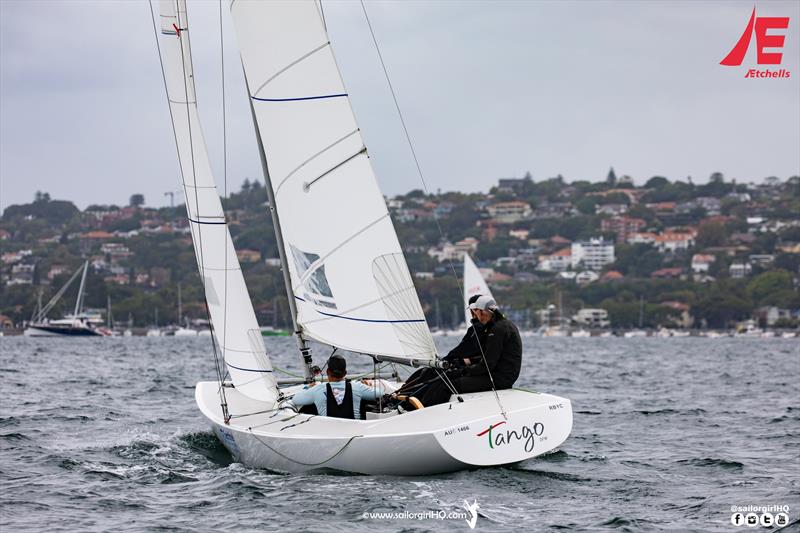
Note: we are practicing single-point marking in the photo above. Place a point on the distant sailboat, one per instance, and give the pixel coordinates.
(345, 274)
(78, 324)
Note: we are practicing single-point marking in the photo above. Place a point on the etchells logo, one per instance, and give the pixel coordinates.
(505, 436)
(774, 41)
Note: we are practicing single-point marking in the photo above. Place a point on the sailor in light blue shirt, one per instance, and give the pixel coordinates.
(338, 398)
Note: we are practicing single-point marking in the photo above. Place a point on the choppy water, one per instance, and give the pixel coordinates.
(102, 434)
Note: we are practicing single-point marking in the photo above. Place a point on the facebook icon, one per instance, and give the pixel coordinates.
(737, 519)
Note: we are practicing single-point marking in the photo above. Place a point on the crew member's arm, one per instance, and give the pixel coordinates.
(368, 391)
(465, 348)
(304, 396)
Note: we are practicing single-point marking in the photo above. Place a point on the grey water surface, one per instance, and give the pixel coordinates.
(103, 434)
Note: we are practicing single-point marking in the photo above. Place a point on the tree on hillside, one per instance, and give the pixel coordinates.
(711, 234)
(137, 200)
(656, 182)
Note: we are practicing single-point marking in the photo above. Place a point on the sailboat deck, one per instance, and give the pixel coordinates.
(259, 417)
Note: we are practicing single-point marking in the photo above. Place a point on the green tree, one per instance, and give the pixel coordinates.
(136, 200)
(711, 234)
(656, 182)
(772, 288)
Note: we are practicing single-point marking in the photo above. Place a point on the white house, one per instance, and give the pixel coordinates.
(593, 254)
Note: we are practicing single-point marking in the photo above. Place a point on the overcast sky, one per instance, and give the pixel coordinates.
(488, 90)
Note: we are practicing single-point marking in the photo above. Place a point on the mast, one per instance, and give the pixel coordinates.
(180, 306)
(641, 311)
(79, 301)
(302, 344)
(108, 311)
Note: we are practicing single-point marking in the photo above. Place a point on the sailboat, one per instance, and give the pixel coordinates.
(78, 324)
(183, 330)
(474, 284)
(345, 275)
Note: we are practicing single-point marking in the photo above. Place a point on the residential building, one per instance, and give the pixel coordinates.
(623, 227)
(769, 315)
(740, 270)
(667, 273)
(593, 254)
(557, 261)
(521, 234)
(611, 209)
(22, 274)
(592, 318)
(586, 277)
(642, 238)
(701, 263)
(454, 252)
(762, 260)
(674, 242)
(510, 212)
(248, 256)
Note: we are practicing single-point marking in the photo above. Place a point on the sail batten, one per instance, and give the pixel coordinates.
(349, 280)
(231, 311)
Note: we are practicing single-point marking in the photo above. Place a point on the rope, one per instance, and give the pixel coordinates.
(346, 444)
(425, 186)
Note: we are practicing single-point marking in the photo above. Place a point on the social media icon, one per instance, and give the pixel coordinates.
(751, 519)
(766, 519)
(781, 519)
(737, 519)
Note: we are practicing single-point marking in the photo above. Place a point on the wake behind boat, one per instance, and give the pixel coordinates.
(344, 271)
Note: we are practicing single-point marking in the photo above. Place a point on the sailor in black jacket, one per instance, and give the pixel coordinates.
(500, 353)
(465, 353)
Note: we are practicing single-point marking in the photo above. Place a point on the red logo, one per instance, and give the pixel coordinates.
(760, 26)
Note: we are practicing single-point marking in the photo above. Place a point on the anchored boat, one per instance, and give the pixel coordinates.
(344, 272)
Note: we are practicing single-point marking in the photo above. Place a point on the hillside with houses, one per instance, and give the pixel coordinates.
(664, 254)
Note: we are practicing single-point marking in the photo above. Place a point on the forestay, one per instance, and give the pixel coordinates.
(232, 316)
(473, 284)
(350, 279)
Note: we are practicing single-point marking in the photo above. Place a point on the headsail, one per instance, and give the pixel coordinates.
(473, 284)
(348, 274)
(235, 326)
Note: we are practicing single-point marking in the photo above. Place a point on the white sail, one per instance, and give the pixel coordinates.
(350, 279)
(473, 284)
(232, 316)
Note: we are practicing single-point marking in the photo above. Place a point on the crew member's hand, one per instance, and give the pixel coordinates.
(366, 382)
(312, 384)
(466, 362)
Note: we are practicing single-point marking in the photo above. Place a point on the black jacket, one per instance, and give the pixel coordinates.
(468, 347)
(502, 350)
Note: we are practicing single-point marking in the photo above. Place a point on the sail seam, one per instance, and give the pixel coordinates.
(208, 223)
(307, 186)
(246, 369)
(290, 65)
(300, 98)
(307, 161)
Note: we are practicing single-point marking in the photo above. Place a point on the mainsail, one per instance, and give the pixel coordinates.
(232, 316)
(349, 277)
(473, 284)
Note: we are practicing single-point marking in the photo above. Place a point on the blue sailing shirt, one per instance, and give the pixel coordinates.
(318, 395)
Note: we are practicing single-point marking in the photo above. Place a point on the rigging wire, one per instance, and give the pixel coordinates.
(225, 188)
(425, 186)
(221, 390)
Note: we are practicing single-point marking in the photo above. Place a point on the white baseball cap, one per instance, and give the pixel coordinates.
(484, 303)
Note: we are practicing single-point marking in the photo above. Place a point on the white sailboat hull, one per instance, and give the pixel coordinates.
(442, 438)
